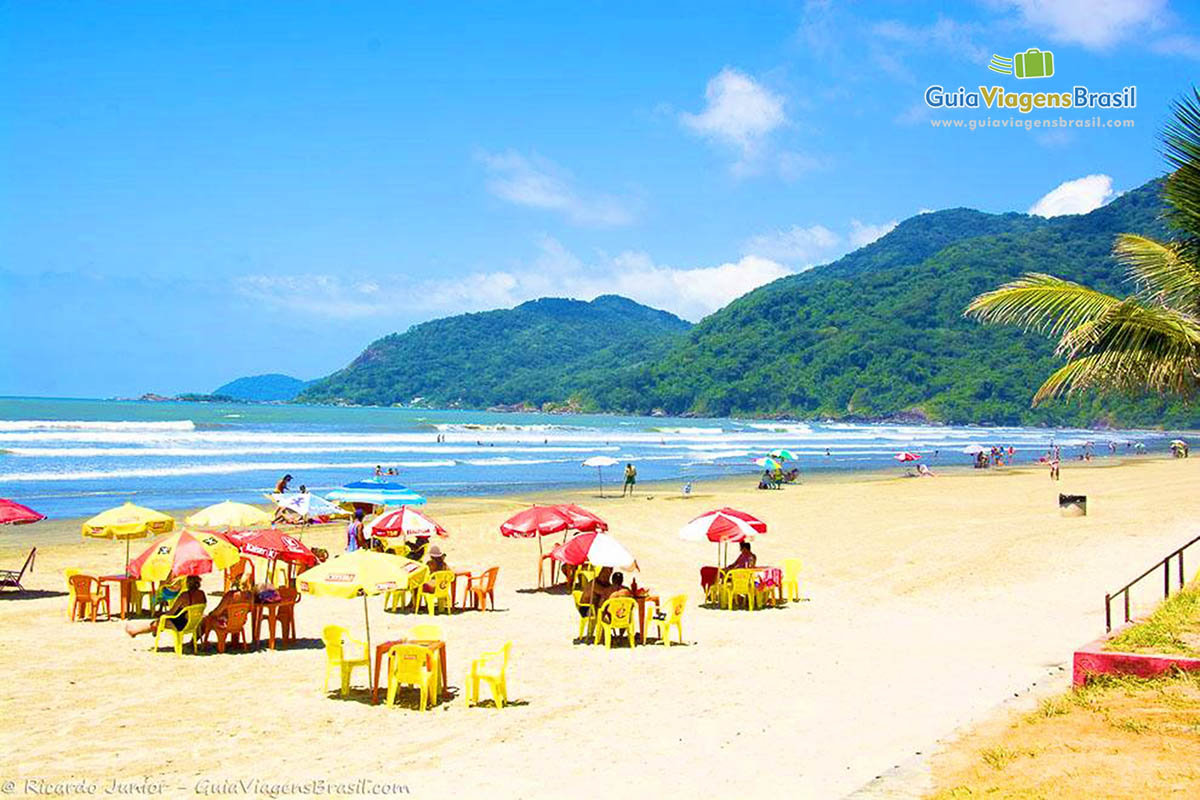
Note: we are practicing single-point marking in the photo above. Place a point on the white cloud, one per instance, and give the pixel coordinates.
(538, 183)
(862, 234)
(1075, 197)
(795, 245)
(945, 34)
(690, 292)
(1094, 24)
(740, 113)
(1178, 45)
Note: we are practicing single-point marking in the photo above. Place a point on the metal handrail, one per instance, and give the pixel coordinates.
(1165, 565)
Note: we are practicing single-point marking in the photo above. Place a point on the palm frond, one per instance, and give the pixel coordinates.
(1181, 146)
(1040, 302)
(1160, 271)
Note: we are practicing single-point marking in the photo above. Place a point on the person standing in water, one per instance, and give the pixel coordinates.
(630, 479)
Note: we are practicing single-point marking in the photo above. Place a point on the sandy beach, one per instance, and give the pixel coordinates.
(930, 601)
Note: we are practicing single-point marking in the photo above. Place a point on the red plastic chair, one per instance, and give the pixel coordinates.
(90, 594)
(481, 588)
(232, 627)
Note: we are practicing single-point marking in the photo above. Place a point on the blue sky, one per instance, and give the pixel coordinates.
(194, 192)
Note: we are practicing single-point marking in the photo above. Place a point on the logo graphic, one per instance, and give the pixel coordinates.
(1033, 63)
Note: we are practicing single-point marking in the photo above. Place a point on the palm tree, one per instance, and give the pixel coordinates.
(1148, 341)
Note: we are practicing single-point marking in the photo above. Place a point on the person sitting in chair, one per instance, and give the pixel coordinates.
(746, 558)
(240, 592)
(177, 615)
(615, 588)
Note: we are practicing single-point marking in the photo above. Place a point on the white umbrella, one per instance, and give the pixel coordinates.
(600, 462)
(307, 504)
(974, 449)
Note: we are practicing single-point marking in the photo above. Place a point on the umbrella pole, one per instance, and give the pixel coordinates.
(600, 473)
(367, 618)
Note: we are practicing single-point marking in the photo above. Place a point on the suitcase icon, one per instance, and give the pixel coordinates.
(1033, 63)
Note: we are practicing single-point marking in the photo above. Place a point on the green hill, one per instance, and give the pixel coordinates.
(263, 388)
(543, 351)
(880, 332)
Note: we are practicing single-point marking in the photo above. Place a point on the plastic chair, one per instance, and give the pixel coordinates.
(68, 573)
(442, 594)
(243, 568)
(492, 669)
(791, 578)
(141, 596)
(195, 615)
(408, 665)
(286, 613)
(587, 616)
(673, 619)
(234, 627)
(11, 578)
(584, 572)
(88, 594)
(481, 588)
(343, 652)
(620, 620)
(741, 583)
(398, 598)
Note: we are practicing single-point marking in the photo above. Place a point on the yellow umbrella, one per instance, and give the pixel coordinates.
(128, 522)
(359, 572)
(229, 515)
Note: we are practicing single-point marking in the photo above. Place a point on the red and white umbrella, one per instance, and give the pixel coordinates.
(594, 548)
(536, 521)
(274, 545)
(582, 520)
(906, 456)
(404, 521)
(723, 526)
(13, 513)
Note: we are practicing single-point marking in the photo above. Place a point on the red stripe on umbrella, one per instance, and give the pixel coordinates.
(535, 521)
(906, 456)
(581, 519)
(406, 521)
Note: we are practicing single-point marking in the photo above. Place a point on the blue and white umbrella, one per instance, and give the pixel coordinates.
(377, 493)
(307, 505)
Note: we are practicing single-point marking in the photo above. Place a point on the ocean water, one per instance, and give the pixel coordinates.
(77, 457)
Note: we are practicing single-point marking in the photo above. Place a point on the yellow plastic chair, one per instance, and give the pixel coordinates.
(141, 596)
(344, 653)
(673, 619)
(68, 573)
(584, 572)
(195, 615)
(492, 669)
(442, 594)
(791, 578)
(587, 621)
(408, 665)
(620, 620)
(399, 598)
(741, 583)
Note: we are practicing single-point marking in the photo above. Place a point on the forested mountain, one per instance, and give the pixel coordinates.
(878, 333)
(543, 351)
(881, 333)
(263, 388)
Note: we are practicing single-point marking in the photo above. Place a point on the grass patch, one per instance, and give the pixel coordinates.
(1117, 737)
(1173, 628)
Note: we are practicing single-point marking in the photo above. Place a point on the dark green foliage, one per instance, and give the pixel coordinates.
(539, 352)
(881, 331)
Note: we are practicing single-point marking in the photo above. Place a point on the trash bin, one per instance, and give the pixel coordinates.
(1072, 505)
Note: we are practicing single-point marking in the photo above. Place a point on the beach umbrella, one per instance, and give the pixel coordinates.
(974, 449)
(359, 572)
(376, 492)
(1178, 443)
(229, 515)
(906, 456)
(581, 519)
(594, 548)
(786, 455)
(13, 513)
(404, 521)
(128, 522)
(723, 526)
(184, 553)
(273, 545)
(536, 522)
(600, 462)
(768, 462)
(307, 504)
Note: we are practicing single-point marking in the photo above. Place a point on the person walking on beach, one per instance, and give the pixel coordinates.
(1054, 469)
(282, 486)
(630, 479)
